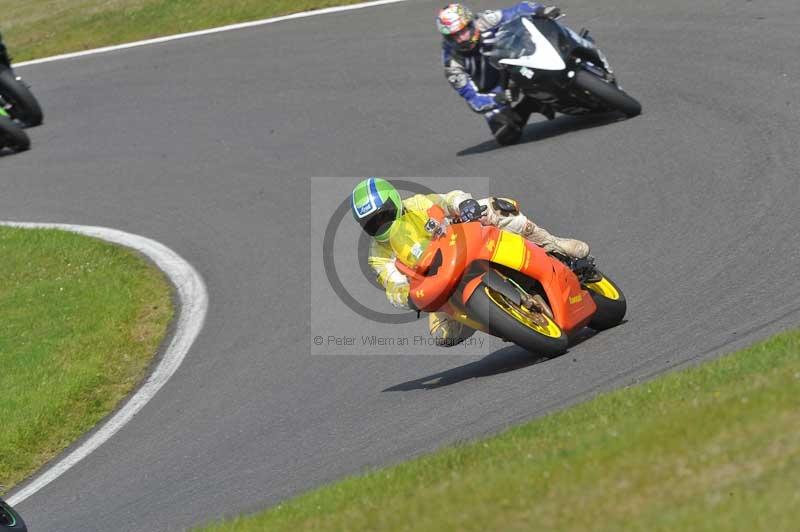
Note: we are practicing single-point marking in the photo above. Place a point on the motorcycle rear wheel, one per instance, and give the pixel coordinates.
(507, 319)
(24, 106)
(12, 136)
(608, 93)
(610, 301)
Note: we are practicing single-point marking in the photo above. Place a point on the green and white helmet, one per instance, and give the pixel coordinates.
(376, 205)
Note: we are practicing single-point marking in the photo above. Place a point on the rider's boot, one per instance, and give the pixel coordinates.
(593, 276)
(584, 268)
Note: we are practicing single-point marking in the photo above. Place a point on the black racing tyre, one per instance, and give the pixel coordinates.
(507, 319)
(13, 136)
(610, 301)
(508, 135)
(10, 519)
(24, 106)
(607, 93)
(506, 128)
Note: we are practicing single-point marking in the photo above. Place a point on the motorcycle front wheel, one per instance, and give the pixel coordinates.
(23, 104)
(511, 321)
(610, 301)
(609, 95)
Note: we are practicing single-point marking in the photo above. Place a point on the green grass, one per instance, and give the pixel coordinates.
(80, 320)
(713, 448)
(39, 28)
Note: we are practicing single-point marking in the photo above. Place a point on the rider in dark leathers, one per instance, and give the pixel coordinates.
(469, 72)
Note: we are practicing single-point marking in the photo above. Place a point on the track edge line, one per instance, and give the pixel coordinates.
(193, 297)
(209, 31)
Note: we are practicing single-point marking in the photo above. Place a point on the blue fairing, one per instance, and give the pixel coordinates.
(520, 10)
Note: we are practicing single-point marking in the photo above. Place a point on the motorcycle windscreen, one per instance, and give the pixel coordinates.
(408, 237)
(525, 46)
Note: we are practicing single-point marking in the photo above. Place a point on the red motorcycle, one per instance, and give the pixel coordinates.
(500, 283)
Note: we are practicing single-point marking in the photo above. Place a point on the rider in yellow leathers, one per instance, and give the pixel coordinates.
(376, 205)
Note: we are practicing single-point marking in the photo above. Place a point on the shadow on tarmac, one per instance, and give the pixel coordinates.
(546, 129)
(509, 358)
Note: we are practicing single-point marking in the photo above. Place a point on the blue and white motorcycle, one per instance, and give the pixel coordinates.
(548, 62)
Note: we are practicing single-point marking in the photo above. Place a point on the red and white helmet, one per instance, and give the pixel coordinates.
(457, 24)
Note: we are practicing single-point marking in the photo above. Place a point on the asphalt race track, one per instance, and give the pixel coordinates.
(208, 146)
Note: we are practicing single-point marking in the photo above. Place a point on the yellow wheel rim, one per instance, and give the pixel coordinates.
(533, 320)
(604, 288)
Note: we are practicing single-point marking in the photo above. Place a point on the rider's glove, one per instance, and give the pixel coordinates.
(470, 210)
(397, 291)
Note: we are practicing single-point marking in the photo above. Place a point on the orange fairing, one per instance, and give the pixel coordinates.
(436, 258)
